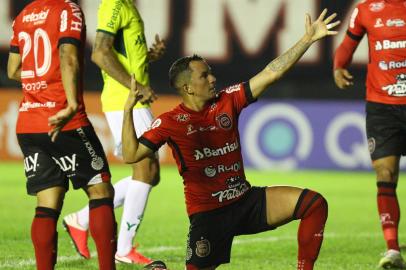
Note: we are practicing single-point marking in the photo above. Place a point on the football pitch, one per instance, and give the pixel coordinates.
(353, 239)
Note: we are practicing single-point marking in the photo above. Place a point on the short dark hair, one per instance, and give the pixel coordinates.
(181, 66)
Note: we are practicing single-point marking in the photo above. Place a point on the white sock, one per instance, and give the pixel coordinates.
(120, 189)
(134, 205)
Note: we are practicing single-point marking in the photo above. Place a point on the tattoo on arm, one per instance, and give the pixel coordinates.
(287, 59)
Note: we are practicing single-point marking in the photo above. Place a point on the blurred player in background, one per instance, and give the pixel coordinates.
(57, 140)
(203, 135)
(120, 49)
(384, 22)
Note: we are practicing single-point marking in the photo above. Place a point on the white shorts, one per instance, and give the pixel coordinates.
(142, 121)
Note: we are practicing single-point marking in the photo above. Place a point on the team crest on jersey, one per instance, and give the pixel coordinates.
(224, 121)
(376, 6)
(202, 248)
(182, 117)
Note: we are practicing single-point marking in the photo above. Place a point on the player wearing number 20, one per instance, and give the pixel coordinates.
(54, 133)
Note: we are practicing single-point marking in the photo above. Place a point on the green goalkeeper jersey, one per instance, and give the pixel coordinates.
(121, 19)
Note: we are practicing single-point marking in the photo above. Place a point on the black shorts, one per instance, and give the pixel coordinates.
(386, 129)
(211, 233)
(76, 155)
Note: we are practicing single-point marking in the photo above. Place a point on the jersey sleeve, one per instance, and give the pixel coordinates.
(356, 29)
(157, 135)
(241, 95)
(110, 16)
(71, 25)
(14, 48)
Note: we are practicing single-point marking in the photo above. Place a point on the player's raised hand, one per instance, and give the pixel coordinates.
(157, 50)
(59, 120)
(343, 78)
(139, 93)
(321, 27)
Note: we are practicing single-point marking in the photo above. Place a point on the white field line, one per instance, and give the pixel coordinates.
(16, 264)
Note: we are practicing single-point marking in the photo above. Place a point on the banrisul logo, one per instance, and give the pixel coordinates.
(209, 152)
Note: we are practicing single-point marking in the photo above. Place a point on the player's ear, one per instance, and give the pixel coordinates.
(186, 88)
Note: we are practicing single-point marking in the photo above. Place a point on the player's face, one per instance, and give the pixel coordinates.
(202, 82)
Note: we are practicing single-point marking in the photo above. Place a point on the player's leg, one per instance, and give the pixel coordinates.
(288, 203)
(145, 175)
(43, 229)
(387, 142)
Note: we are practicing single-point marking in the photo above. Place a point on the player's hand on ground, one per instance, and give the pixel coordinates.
(321, 27)
(59, 120)
(343, 78)
(157, 50)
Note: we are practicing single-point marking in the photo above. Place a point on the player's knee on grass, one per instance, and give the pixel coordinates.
(308, 202)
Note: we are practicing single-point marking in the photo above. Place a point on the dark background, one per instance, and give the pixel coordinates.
(312, 81)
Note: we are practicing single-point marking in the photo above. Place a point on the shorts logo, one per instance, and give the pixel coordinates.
(224, 121)
(371, 145)
(202, 248)
(66, 163)
(31, 163)
(97, 162)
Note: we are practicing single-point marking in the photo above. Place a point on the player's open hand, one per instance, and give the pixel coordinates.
(321, 27)
(59, 120)
(343, 78)
(157, 50)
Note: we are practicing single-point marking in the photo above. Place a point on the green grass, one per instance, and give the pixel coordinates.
(353, 239)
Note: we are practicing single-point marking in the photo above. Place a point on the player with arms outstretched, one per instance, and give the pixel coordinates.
(384, 22)
(203, 135)
(57, 140)
(120, 49)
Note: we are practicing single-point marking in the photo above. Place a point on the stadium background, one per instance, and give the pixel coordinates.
(304, 121)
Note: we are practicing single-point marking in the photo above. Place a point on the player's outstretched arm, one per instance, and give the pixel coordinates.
(14, 66)
(70, 70)
(278, 67)
(132, 150)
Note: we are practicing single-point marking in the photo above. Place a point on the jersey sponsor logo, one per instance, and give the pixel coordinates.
(208, 152)
(233, 88)
(392, 65)
(397, 89)
(156, 123)
(224, 121)
(36, 18)
(75, 25)
(25, 106)
(388, 45)
(378, 23)
(353, 17)
(35, 86)
(376, 6)
(182, 117)
(116, 12)
(191, 129)
(97, 162)
(64, 21)
(66, 163)
(211, 171)
(395, 23)
(231, 193)
(31, 163)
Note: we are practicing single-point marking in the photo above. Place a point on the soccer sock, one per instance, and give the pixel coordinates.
(120, 189)
(103, 229)
(312, 209)
(45, 237)
(134, 206)
(389, 213)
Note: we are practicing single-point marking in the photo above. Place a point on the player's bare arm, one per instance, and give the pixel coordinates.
(70, 68)
(132, 150)
(278, 67)
(157, 49)
(14, 66)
